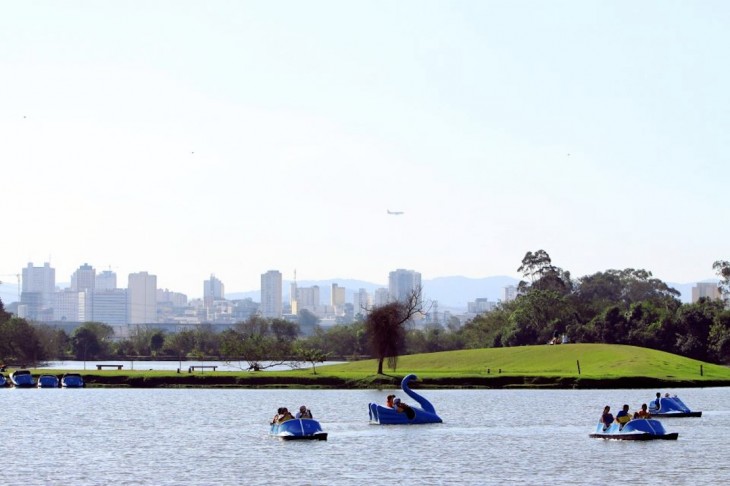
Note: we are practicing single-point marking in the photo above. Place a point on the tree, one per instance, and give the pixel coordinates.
(722, 268)
(543, 274)
(19, 342)
(85, 344)
(254, 341)
(4, 315)
(310, 355)
(91, 340)
(385, 327)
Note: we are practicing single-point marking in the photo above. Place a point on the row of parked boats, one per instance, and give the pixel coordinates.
(25, 379)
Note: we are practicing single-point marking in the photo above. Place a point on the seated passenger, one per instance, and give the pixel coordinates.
(279, 411)
(643, 413)
(389, 401)
(285, 415)
(623, 416)
(658, 401)
(606, 417)
(304, 413)
(402, 407)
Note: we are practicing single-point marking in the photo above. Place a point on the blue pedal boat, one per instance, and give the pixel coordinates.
(383, 415)
(298, 429)
(671, 407)
(48, 381)
(636, 429)
(3, 380)
(22, 379)
(72, 380)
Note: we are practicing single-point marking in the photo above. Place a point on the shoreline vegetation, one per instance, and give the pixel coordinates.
(579, 366)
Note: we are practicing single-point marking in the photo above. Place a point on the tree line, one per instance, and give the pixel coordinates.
(614, 306)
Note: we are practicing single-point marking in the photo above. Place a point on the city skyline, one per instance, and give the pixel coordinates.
(239, 137)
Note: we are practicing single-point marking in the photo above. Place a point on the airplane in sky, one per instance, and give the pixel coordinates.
(396, 213)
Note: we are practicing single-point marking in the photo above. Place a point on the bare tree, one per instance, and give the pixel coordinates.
(386, 327)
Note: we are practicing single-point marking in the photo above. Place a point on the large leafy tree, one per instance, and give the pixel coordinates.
(19, 342)
(91, 340)
(538, 268)
(385, 328)
(694, 322)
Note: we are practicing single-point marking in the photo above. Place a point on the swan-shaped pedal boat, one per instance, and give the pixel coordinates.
(671, 407)
(635, 429)
(382, 415)
(298, 429)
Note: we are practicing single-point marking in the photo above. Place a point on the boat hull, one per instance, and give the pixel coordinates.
(637, 429)
(299, 429)
(677, 414)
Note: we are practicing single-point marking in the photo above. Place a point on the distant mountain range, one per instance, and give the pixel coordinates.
(451, 293)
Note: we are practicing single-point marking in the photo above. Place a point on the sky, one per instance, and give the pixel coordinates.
(190, 138)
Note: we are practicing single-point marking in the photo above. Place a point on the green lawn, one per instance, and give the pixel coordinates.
(596, 361)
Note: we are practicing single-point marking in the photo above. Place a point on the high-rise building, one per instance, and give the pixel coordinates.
(106, 280)
(142, 298)
(84, 278)
(110, 306)
(212, 291)
(71, 306)
(271, 304)
(337, 299)
(403, 283)
(39, 284)
(706, 289)
(509, 293)
(362, 302)
(380, 297)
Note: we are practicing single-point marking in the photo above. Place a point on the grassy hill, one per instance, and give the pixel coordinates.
(597, 361)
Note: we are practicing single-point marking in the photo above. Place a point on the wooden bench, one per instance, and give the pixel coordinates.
(201, 368)
(100, 366)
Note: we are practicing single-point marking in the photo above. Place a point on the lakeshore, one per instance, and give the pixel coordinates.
(574, 366)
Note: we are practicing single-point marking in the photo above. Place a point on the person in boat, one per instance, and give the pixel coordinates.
(389, 401)
(279, 411)
(403, 407)
(285, 415)
(658, 400)
(606, 417)
(623, 416)
(643, 413)
(304, 413)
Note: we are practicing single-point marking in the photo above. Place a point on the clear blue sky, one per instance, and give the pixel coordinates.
(186, 138)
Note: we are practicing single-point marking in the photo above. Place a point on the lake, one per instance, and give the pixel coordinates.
(100, 436)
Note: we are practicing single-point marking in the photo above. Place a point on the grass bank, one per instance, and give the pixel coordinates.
(561, 366)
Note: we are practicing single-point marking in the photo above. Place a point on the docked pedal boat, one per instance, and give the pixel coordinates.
(48, 381)
(22, 379)
(72, 380)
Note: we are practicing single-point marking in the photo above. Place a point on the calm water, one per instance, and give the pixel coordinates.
(220, 437)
